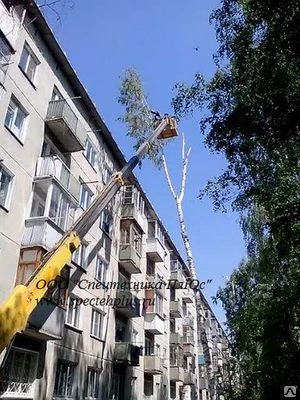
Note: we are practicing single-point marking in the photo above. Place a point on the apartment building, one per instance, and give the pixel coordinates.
(116, 323)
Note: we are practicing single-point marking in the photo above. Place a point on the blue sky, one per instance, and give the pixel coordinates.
(103, 38)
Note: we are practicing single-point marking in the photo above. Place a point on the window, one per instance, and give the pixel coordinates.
(107, 174)
(28, 263)
(28, 63)
(61, 209)
(106, 221)
(133, 196)
(92, 386)
(97, 323)
(5, 53)
(148, 385)
(15, 118)
(20, 372)
(101, 269)
(73, 312)
(85, 196)
(80, 255)
(149, 346)
(131, 235)
(90, 152)
(6, 181)
(159, 304)
(64, 378)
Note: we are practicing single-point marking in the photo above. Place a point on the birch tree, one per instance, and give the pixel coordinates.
(139, 120)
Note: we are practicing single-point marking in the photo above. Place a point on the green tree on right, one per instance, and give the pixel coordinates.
(251, 114)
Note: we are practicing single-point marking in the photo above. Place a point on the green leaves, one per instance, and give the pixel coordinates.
(252, 116)
(138, 118)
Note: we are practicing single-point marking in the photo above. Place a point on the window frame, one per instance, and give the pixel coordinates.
(75, 317)
(31, 57)
(90, 152)
(8, 195)
(88, 195)
(15, 107)
(104, 269)
(106, 214)
(99, 334)
(80, 255)
(90, 394)
(70, 371)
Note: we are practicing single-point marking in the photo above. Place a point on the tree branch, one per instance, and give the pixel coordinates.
(168, 177)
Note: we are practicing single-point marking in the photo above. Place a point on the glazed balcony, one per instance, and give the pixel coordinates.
(157, 283)
(127, 354)
(153, 365)
(129, 305)
(130, 211)
(65, 126)
(54, 167)
(188, 349)
(176, 274)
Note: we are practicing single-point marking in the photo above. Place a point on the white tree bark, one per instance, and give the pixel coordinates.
(178, 201)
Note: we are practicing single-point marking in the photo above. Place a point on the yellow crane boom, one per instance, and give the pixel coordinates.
(16, 309)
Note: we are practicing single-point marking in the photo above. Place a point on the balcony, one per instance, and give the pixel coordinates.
(154, 323)
(130, 211)
(188, 321)
(129, 259)
(53, 167)
(66, 127)
(127, 354)
(13, 389)
(175, 309)
(128, 305)
(153, 365)
(188, 348)
(188, 295)
(176, 274)
(41, 232)
(203, 384)
(155, 250)
(189, 378)
(175, 338)
(176, 374)
(157, 283)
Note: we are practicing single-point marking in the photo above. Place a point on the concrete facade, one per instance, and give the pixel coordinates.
(88, 338)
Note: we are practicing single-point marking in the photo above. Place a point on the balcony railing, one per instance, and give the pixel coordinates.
(188, 321)
(65, 125)
(128, 304)
(52, 166)
(127, 353)
(129, 259)
(13, 389)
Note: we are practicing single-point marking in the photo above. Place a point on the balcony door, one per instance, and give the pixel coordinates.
(118, 386)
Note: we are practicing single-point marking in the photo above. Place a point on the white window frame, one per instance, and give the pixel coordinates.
(106, 218)
(80, 255)
(107, 174)
(93, 384)
(101, 269)
(30, 58)
(9, 191)
(70, 373)
(90, 152)
(97, 323)
(159, 304)
(87, 194)
(73, 313)
(15, 109)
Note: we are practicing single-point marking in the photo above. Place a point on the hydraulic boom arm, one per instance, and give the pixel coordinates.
(16, 309)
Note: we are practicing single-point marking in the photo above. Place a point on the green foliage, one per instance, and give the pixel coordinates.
(137, 117)
(251, 109)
